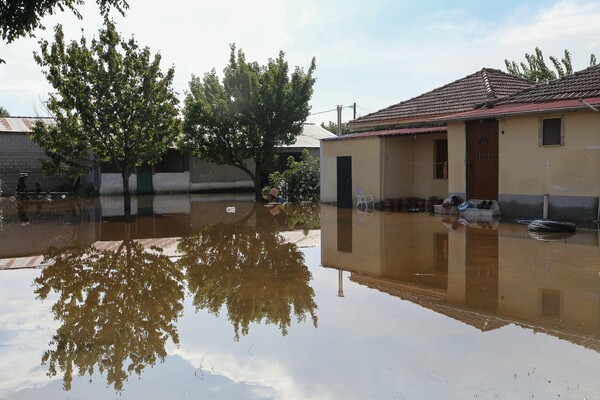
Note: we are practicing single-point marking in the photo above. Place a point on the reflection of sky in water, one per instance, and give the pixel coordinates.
(367, 345)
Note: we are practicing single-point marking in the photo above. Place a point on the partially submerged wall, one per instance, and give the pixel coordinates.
(19, 154)
(366, 166)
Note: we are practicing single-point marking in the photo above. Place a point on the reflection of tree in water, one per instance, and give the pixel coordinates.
(252, 271)
(117, 309)
(304, 215)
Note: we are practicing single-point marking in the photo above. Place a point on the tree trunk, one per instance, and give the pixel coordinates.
(257, 190)
(257, 184)
(126, 195)
(255, 178)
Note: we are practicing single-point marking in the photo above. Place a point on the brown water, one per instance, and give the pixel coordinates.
(208, 297)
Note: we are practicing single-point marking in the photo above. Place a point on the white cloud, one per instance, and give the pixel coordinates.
(26, 326)
(571, 25)
(266, 376)
(362, 54)
(565, 20)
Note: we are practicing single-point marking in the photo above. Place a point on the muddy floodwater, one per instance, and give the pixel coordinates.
(214, 297)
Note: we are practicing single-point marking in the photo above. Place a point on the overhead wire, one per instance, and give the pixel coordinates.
(326, 111)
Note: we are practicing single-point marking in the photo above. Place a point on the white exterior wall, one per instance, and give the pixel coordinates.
(171, 182)
(112, 184)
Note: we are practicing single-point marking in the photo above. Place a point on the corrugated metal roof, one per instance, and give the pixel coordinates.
(523, 109)
(392, 132)
(20, 124)
(310, 137)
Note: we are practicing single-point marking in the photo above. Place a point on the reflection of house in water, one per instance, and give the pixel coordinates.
(482, 275)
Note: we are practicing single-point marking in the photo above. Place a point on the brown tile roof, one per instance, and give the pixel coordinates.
(581, 84)
(461, 95)
(577, 91)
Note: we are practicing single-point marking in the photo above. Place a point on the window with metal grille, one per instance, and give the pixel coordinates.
(552, 132)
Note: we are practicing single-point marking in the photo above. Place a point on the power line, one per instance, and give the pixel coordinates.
(322, 112)
(333, 109)
(366, 109)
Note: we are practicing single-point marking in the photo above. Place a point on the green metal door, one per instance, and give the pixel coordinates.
(144, 180)
(344, 182)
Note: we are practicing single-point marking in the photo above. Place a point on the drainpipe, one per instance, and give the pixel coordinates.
(545, 212)
(598, 111)
(589, 105)
(382, 169)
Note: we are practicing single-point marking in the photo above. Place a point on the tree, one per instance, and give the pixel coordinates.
(4, 112)
(536, 69)
(301, 181)
(252, 271)
(111, 105)
(247, 116)
(22, 17)
(333, 127)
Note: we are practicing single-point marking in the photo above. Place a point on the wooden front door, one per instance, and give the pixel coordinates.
(482, 171)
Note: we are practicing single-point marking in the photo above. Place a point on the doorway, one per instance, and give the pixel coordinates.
(144, 180)
(344, 182)
(482, 163)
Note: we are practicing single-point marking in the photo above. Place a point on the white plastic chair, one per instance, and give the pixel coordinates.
(363, 199)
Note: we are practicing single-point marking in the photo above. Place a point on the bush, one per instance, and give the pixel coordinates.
(300, 182)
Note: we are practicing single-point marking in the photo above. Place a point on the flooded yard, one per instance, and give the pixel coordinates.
(201, 297)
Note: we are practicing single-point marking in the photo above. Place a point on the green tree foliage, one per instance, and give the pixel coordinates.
(248, 115)
(333, 127)
(117, 309)
(304, 215)
(22, 17)
(536, 69)
(252, 271)
(300, 182)
(4, 112)
(112, 104)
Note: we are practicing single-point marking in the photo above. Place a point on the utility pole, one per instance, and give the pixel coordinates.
(340, 283)
(339, 120)
(354, 108)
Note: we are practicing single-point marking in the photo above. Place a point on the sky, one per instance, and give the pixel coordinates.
(373, 53)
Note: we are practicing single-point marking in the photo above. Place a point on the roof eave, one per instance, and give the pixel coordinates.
(506, 113)
(370, 125)
(383, 134)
